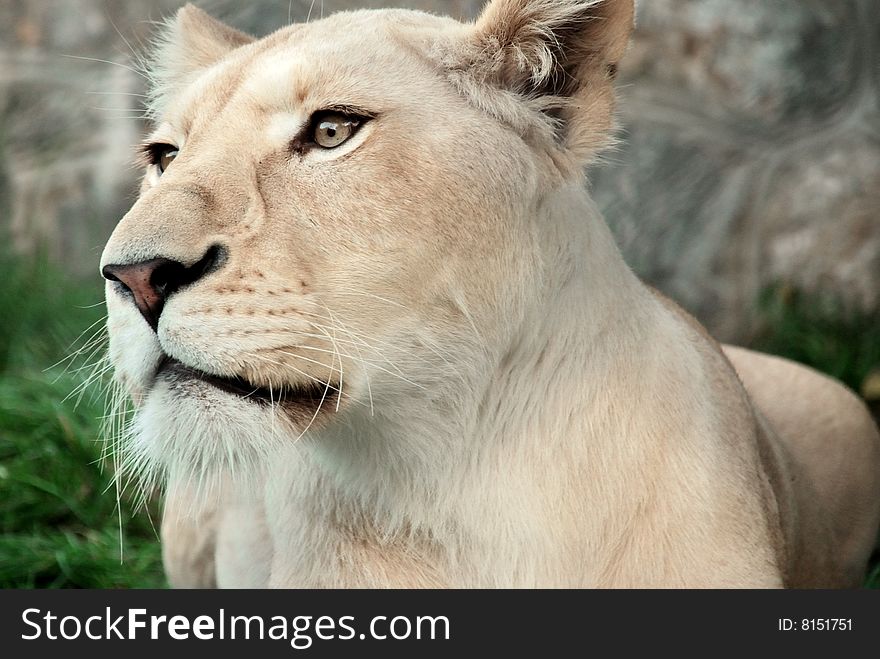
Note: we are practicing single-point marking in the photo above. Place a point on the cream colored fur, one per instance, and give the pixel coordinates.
(517, 409)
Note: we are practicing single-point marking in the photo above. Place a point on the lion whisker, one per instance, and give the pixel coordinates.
(333, 341)
(303, 373)
(359, 340)
(100, 369)
(318, 410)
(87, 345)
(352, 357)
(428, 344)
(105, 61)
(356, 347)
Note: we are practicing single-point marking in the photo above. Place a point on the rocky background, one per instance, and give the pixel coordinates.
(750, 152)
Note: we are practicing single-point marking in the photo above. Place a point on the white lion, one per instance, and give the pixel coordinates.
(378, 335)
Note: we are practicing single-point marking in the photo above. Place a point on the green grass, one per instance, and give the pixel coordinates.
(59, 523)
(822, 334)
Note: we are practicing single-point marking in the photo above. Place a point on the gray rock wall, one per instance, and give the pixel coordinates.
(750, 149)
(751, 153)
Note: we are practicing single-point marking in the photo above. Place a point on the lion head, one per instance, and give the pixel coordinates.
(347, 223)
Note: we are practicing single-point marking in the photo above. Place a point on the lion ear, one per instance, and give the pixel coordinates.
(565, 52)
(542, 47)
(191, 42)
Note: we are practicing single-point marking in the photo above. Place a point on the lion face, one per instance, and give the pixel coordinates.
(332, 219)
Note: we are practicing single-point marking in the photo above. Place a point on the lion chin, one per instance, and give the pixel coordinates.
(377, 334)
(195, 427)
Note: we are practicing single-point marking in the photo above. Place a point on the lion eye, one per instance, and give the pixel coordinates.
(165, 155)
(332, 129)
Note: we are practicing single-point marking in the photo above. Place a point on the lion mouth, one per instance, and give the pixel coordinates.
(308, 397)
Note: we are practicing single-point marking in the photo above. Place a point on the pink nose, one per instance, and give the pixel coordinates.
(148, 284)
(151, 283)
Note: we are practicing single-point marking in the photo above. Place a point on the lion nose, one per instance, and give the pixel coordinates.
(151, 283)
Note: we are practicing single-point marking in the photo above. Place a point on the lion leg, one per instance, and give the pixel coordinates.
(833, 448)
(189, 540)
(215, 540)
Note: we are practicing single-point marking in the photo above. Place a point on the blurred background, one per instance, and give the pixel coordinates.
(746, 186)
